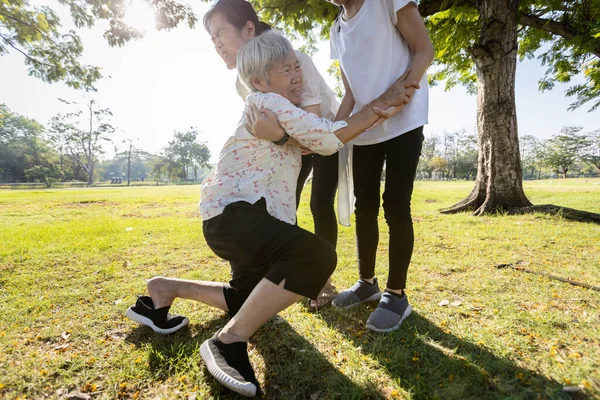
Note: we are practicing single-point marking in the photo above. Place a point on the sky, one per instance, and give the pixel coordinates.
(173, 80)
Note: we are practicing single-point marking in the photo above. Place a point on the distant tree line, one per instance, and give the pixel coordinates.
(70, 147)
(570, 153)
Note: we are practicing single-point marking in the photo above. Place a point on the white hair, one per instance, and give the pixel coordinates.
(259, 55)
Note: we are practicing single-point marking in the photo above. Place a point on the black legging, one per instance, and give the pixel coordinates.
(401, 155)
(322, 197)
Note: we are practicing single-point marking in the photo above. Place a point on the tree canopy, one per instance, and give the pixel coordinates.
(563, 34)
(53, 55)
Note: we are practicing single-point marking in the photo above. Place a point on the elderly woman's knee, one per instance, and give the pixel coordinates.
(322, 254)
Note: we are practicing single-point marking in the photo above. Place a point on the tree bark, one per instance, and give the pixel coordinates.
(499, 184)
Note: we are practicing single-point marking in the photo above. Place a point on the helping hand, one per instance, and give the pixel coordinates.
(394, 99)
(263, 124)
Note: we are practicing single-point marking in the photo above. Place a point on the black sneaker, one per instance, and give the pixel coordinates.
(158, 319)
(229, 364)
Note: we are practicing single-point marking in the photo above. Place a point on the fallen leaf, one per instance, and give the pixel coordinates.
(62, 347)
(456, 303)
(443, 303)
(78, 396)
(65, 335)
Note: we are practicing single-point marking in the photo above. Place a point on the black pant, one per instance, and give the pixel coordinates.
(401, 156)
(322, 196)
(258, 246)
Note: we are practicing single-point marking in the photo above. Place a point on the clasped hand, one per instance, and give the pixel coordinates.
(394, 99)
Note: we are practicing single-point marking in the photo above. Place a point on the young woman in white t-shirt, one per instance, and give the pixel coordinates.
(376, 41)
(232, 23)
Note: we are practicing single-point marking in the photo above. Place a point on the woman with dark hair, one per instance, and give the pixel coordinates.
(231, 24)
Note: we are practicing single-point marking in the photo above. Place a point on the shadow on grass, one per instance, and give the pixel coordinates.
(293, 368)
(429, 362)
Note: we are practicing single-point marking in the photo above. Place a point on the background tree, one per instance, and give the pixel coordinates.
(160, 169)
(439, 164)
(591, 153)
(428, 151)
(200, 157)
(140, 165)
(532, 155)
(184, 151)
(465, 163)
(84, 132)
(129, 152)
(22, 147)
(564, 149)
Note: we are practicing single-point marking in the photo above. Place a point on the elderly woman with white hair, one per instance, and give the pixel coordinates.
(248, 210)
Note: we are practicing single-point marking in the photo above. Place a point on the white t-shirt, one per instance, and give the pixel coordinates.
(373, 55)
(314, 88)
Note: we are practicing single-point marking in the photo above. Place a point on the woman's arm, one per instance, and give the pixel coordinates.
(411, 26)
(264, 125)
(347, 102)
(315, 132)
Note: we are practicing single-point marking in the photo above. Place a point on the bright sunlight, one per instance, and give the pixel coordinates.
(140, 16)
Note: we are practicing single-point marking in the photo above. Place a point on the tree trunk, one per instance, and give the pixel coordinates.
(499, 184)
(90, 170)
(129, 165)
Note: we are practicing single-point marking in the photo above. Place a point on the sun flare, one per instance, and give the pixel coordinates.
(140, 16)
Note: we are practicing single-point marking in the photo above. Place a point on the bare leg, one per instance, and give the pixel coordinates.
(164, 290)
(265, 301)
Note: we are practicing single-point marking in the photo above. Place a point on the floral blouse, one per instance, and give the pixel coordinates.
(249, 168)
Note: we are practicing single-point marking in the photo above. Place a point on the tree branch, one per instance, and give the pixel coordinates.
(430, 7)
(10, 43)
(31, 26)
(556, 28)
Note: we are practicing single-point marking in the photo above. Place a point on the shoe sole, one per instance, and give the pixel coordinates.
(393, 328)
(245, 389)
(140, 319)
(374, 297)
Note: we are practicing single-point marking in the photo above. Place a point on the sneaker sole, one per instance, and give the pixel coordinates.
(374, 297)
(393, 328)
(140, 319)
(245, 389)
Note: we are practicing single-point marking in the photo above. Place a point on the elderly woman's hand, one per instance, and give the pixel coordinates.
(263, 124)
(394, 99)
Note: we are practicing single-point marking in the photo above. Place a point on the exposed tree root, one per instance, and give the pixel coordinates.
(488, 207)
(469, 204)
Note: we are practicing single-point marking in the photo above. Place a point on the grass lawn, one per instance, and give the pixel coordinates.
(73, 260)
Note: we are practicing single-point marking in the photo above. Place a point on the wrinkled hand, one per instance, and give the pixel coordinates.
(394, 99)
(263, 124)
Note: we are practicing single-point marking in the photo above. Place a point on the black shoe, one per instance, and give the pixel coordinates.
(229, 364)
(158, 319)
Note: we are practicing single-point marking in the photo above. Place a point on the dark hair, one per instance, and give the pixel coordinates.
(237, 13)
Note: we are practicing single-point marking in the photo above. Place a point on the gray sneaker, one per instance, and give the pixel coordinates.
(361, 292)
(389, 314)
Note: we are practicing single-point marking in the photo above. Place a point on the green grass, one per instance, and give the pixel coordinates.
(73, 260)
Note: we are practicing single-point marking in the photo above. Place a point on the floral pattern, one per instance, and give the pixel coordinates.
(249, 168)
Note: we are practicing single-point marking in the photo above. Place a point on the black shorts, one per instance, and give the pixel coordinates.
(259, 246)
